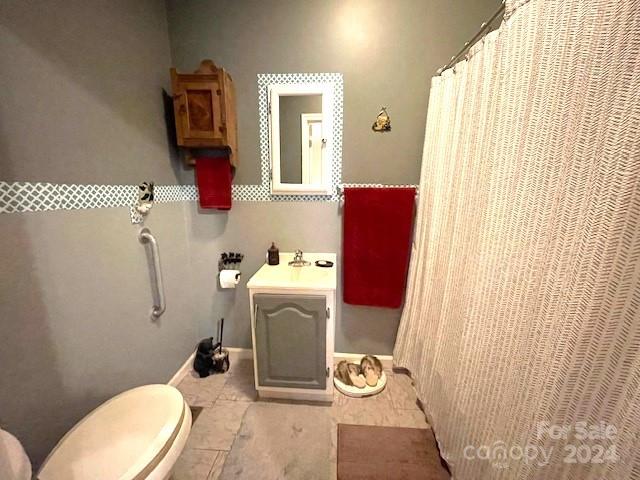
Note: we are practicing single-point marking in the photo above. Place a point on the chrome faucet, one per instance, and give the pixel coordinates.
(298, 261)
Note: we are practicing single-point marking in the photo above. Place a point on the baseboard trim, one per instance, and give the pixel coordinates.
(236, 354)
(239, 353)
(247, 353)
(182, 371)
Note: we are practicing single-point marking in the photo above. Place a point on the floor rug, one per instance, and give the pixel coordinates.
(389, 453)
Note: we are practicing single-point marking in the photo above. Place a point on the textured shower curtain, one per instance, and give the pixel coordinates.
(522, 318)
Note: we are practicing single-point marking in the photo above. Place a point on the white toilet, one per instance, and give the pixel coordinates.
(136, 435)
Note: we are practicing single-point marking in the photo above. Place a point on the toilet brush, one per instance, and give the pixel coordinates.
(220, 355)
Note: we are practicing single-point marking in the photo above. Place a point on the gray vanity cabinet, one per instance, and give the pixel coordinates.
(293, 312)
(291, 340)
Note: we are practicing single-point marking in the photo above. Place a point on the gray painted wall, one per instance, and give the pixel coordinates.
(80, 101)
(75, 297)
(81, 91)
(387, 52)
(250, 227)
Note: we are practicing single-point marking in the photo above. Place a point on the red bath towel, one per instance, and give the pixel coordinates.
(213, 175)
(378, 223)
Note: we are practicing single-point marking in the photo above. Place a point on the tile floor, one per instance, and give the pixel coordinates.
(219, 403)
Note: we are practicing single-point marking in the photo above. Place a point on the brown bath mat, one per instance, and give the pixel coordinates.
(388, 453)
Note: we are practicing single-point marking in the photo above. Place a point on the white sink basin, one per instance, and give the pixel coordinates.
(283, 276)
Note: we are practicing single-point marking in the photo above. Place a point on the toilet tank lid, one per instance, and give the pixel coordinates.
(120, 438)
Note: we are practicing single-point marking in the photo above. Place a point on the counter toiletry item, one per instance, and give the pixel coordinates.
(273, 255)
(324, 263)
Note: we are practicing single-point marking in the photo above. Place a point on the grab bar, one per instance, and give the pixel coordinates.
(159, 305)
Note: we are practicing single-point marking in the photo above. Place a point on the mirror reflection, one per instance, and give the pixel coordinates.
(301, 139)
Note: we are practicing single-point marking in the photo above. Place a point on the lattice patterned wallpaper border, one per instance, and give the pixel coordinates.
(36, 197)
(262, 192)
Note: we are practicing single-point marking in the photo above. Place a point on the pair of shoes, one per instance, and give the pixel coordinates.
(366, 373)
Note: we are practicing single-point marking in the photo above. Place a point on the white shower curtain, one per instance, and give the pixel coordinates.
(523, 304)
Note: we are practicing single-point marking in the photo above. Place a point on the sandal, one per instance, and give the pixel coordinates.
(371, 369)
(355, 377)
(349, 374)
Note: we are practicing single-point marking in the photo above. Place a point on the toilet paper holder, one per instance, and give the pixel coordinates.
(229, 269)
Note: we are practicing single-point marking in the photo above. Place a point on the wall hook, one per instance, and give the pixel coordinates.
(145, 197)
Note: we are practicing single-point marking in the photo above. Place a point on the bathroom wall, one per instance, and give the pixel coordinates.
(81, 102)
(81, 91)
(387, 52)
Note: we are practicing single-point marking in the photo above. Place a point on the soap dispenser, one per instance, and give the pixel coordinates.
(273, 255)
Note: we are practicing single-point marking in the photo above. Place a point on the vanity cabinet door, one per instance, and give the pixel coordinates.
(290, 333)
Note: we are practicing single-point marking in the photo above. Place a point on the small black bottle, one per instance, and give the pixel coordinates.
(273, 255)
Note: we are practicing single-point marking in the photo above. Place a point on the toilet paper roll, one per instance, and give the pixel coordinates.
(229, 278)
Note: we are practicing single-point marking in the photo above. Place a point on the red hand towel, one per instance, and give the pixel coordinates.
(213, 175)
(376, 245)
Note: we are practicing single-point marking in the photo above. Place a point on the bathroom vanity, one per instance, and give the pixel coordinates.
(292, 328)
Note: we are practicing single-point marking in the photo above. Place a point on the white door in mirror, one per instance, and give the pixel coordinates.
(312, 146)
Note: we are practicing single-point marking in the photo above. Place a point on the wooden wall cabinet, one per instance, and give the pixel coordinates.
(204, 105)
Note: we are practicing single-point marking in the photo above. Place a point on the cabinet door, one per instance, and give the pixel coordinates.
(198, 113)
(291, 333)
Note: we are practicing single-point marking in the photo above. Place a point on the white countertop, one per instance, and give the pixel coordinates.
(297, 278)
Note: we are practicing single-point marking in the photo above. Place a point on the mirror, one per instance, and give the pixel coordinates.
(300, 144)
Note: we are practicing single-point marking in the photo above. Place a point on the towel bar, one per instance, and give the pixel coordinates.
(340, 188)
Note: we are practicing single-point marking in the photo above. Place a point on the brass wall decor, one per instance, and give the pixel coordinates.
(383, 121)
